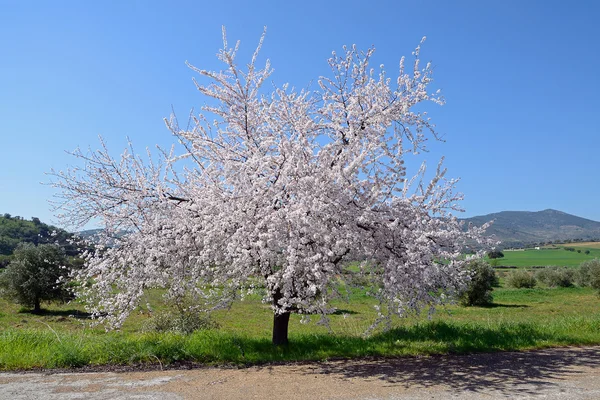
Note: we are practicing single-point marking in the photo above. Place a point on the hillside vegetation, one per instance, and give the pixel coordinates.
(15, 230)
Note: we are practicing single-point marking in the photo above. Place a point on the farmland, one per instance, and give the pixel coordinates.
(555, 255)
(583, 245)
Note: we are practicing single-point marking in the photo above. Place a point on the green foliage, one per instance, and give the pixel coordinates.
(589, 274)
(495, 254)
(15, 230)
(32, 276)
(185, 322)
(556, 276)
(479, 290)
(521, 279)
(8, 244)
(4, 260)
(184, 315)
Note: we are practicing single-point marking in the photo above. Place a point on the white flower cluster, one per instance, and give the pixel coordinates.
(278, 191)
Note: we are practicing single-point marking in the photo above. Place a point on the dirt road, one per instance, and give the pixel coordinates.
(570, 373)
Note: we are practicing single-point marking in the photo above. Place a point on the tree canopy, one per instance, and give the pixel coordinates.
(15, 230)
(36, 274)
(495, 254)
(278, 190)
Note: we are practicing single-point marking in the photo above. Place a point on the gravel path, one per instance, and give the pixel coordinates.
(568, 373)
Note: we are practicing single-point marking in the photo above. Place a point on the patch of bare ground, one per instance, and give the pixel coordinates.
(564, 373)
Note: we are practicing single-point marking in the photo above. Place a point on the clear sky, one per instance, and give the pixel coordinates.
(521, 80)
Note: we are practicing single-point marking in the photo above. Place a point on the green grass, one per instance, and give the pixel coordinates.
(519, 319)
(44, 349)
(547, 256)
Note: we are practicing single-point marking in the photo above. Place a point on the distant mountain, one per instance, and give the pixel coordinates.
(518, 228)
(90, 233)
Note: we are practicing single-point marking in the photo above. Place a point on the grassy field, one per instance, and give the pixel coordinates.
(518, 319)
(547, 256)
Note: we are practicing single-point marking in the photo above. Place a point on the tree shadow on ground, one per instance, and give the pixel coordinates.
(493, 369)
(341, 311)
(497, 305)
(509, 373)
(78, 314)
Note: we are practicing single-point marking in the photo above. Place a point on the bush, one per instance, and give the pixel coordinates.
(33, 274)
(495, 254)
(4, 260)
(556, 276)
(589, 274)
(521, 279)
(479, 289)
(184, 314)
(185, 322)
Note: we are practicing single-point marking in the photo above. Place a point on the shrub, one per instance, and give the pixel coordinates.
(184, 314)
(185, 322)
(589, 274)
(4, 260)
(582, 277)
(556, 276)
(521, 279)
(479, 289)
(495, 254)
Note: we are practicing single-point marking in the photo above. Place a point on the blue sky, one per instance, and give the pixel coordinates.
(520, 79)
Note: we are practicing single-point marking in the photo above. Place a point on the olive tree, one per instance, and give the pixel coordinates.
(479, 289)
(278, 189)
(589, 274)
(35, 274)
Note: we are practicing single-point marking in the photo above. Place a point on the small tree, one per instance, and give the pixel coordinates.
(36, 274)
(589, 274)
(493, 254)
(479, 289)
(280, 191)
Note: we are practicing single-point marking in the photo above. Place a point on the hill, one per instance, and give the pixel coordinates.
(519, 228)
(15, 230)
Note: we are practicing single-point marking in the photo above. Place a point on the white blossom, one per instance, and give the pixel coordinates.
(279, 190)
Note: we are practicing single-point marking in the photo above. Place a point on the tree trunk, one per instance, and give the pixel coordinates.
(36, 306)
(280, 323)
(280, 328)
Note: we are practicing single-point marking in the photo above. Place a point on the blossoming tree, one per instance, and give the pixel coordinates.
(280, 191)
